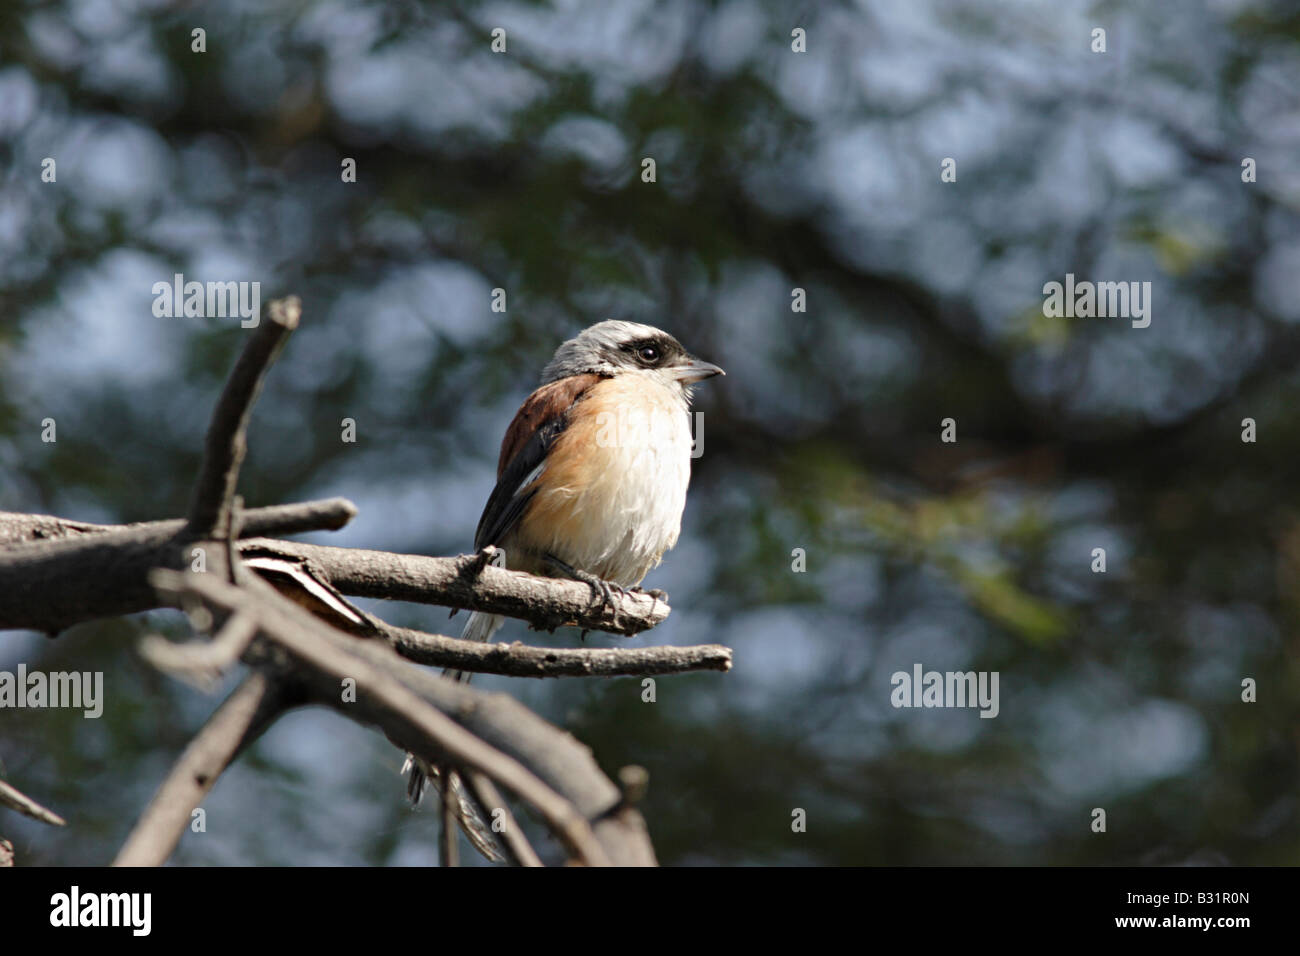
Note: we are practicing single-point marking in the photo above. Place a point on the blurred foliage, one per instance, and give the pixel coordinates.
(776, 170)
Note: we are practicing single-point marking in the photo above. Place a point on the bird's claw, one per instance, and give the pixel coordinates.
(602, 593)
(655, 595)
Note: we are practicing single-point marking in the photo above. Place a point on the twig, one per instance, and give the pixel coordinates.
(513, 841)
(449, 838)
(325, 658)
(17, 800)
(51, 585)
(464, 582)
(225, 446)
(327, 514)
(200, 663)
(428, 732)
(234, 512)
(246, 713)
(524, 660)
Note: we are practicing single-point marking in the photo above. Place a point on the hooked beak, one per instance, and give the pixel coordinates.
(695, 370)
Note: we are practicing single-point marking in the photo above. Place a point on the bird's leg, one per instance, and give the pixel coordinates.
(601, 590)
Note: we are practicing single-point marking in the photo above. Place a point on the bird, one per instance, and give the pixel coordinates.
(593, 470)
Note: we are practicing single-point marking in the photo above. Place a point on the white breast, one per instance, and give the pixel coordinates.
(624, 510)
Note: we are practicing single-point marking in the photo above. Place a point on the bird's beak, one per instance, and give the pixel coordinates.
(695, 370)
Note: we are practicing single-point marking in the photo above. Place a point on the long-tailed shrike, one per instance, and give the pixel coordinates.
(592, 477)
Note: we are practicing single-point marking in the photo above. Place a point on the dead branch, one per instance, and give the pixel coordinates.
(328, 514)
(441, 721)
(449, 837)
(17, 800)
(224, 449)
(465, 582)
(56, 573)
(242, 718)
(524, 660)
(201, 663)
(49, 585)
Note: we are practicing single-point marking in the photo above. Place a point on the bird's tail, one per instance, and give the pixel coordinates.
(481, 626)
(451, 787)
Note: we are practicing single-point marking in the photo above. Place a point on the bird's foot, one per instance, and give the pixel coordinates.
(602, 592)
(655, 594)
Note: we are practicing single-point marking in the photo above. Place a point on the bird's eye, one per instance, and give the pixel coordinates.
(648, 353)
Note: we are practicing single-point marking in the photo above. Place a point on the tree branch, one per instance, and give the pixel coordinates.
(440, 721)
(328, 514)
(466, 582)
(49, 585)
(524, 660)
(242, 718)
(449, 837)
(17, 800)
(225, 446)
(201, 663)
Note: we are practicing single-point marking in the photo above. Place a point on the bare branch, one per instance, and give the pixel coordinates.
(17, 800)
(242, 718)
(524, 660)
(490, 733)
(201, 663)
(465, 582)
(224, 449)
(230, 531)
(51, 585)
(328, 514)
(449, 838)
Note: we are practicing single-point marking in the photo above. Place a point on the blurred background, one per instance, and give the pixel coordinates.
(776, 170)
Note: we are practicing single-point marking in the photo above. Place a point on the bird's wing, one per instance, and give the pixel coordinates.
(539, 421)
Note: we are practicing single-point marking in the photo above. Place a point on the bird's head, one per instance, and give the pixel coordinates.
(614, 346)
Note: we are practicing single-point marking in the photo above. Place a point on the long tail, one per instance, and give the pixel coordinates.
(480, 627)
(450, 787)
